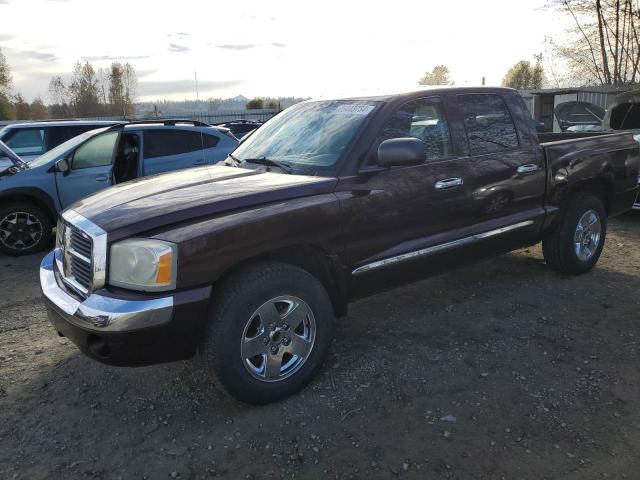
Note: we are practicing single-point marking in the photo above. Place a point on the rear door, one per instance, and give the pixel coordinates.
(167, 149)
(90, 168)
(507, 165)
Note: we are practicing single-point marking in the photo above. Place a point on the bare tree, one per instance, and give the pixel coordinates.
(58, 98)
(604, 44)
(438, 76)
(130, 81)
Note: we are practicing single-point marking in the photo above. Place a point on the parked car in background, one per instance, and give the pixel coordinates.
(32, 194)
(241, 128)
(329, 201)
(32, 139)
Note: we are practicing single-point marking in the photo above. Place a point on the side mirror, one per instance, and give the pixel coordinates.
(397, 152)
(63, 166)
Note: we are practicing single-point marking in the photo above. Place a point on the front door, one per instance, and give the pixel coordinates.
(393, 217)
(90, 168)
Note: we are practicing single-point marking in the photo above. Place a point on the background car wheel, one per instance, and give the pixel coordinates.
(576, 243)
(24, 229)
(269, 331)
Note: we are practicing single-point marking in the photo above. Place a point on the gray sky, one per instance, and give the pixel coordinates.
(272, 48)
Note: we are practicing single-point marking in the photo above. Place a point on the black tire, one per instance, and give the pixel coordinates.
(235, 304)
(559, 246)
(33, 233)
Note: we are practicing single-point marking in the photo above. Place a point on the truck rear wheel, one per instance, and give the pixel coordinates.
(269, 332)
(575, 244)
(24, 229)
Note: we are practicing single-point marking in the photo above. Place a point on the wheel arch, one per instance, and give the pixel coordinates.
(311, 258)
(34, 196)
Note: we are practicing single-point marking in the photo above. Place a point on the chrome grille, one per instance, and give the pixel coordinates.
(77, 252)
(80, 253)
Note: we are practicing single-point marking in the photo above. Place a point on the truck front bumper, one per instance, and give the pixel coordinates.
(126, 328)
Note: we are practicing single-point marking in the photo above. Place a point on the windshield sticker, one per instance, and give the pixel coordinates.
(354, 109)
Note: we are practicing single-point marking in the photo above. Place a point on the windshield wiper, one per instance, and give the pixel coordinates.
(235, 160)
(269, 162)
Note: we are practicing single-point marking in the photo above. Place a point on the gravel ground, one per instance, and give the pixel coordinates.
(499, 370)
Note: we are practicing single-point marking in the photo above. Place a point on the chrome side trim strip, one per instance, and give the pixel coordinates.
(439, 248)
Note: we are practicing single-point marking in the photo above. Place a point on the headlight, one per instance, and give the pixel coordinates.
(143, 264)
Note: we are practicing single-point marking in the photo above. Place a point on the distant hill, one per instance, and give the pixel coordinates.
(168, 108)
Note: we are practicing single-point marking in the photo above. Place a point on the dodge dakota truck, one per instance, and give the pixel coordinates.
(247, 264)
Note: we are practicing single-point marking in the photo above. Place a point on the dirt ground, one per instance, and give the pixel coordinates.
(499, 370)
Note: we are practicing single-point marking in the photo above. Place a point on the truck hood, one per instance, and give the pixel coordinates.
(159, 200)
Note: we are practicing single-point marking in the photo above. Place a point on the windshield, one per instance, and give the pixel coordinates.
(310, 136)
(63, 147)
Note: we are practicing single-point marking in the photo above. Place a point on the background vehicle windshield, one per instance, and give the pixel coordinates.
(308, 136)
(63, 147)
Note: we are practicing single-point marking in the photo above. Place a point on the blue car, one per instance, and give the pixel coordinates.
(31, 194)
(32, 139)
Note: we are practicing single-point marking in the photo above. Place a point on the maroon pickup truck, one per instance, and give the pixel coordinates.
(250, 262)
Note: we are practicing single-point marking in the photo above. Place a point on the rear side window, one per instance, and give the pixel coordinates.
(488, 123)
(26, 141)
(164, 142)
(209, 141)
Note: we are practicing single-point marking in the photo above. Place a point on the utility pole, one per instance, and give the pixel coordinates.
(195, 76)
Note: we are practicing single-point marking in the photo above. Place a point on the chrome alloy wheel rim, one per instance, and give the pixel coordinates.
(587, 236)
(20, 230)
(278, 338)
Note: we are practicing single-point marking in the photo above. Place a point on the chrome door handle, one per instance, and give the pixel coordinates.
(448, 183)
(102, 178)
(528, 168)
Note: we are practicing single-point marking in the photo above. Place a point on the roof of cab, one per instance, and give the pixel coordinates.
(431, 89)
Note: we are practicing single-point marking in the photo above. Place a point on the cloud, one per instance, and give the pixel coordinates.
(36, 55)
(173, 87)
(175, 48)
(96, 58)
(145, 72)
(5, 2)
(5, 36)
(246, 46)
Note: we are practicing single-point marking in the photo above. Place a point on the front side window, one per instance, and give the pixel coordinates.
(96, 152)
(425, 120)
(26, 141)
(165, 142)
(488, 123)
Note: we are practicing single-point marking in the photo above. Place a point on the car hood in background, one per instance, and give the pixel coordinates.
(571, 114)
(159, 200)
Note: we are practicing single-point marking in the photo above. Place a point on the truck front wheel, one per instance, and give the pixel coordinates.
(24, 229)
(575, 244)
(269, 332)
